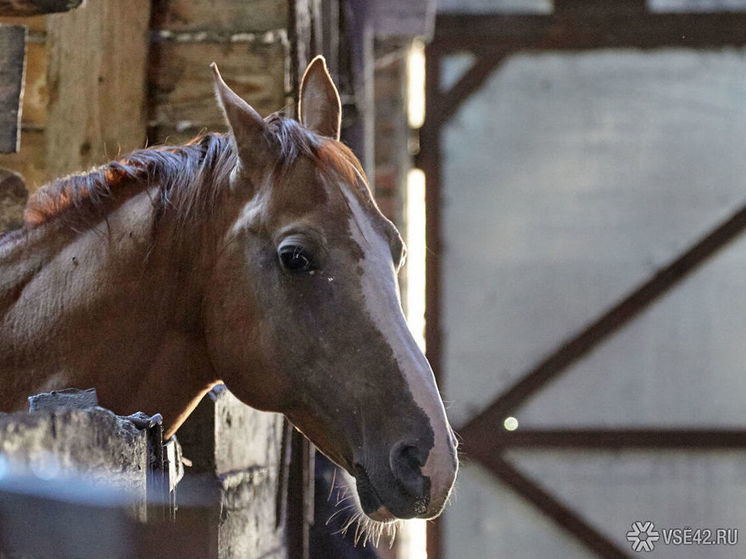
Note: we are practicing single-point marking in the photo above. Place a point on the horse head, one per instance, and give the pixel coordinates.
(304, 289)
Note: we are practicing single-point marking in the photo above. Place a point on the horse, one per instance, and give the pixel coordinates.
(256, 258)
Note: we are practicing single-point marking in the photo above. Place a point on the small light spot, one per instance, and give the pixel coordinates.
(510, 423)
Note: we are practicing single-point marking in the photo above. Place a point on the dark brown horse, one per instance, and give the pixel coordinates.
(256, 258)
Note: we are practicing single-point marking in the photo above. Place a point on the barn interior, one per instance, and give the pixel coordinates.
(568, 177)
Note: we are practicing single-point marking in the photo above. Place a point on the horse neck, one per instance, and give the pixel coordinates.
(109, 307)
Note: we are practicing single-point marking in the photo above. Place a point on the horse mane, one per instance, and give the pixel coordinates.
(188, 178)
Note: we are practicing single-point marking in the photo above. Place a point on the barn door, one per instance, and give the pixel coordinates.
(587, 277)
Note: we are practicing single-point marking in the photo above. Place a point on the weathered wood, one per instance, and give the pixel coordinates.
(181, 85)
(360, 130)
(96, 78)
(36, 7)
(62, 438)
(226, 16)
(35, 94)
(13, 196)
(12, 62)
(36, 25)
(300, 28)
(29, 161)
(234, 493)
(67, 398)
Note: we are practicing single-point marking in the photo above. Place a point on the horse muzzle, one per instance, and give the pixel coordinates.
(403, 490)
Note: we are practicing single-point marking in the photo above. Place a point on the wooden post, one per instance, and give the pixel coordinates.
(12, 64)
(96, 79)
(233, 494)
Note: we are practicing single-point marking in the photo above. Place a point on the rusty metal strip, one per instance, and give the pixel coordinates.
(604, 326)
(553, 508)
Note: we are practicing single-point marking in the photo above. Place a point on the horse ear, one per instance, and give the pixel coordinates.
(319, 107)
(248, 128)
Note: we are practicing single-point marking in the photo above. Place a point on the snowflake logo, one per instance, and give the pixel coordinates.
(643, 536)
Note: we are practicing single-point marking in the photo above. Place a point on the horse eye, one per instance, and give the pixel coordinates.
(294, 258)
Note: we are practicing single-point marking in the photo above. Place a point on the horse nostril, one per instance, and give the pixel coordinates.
(406, 461)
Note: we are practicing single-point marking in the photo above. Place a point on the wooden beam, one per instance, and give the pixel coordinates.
(12, 66)
(445, 104)
(482, 426)
(611, 439)
(36, 7)
(96, 79)
(574, 30)
(552, 507)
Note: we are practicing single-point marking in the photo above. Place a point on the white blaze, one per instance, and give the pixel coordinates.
(381, 296)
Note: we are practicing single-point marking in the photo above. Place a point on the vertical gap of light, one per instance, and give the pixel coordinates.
(415, 206)
(415, 212)
(416, 254)
(415, 544)
(416, 84)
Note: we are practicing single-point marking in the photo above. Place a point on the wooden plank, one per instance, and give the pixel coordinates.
(97, 68)
(300, 495)
(300, 26)
(35, 94)
(12, 63)
(36, 24)
(236, 479)
(227, 16)
(36, 7)
(181, 86)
